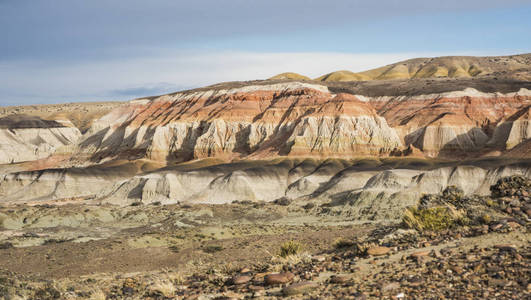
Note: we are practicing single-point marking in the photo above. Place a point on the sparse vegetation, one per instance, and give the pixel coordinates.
(213, 248)
(163, 287)
(97, 294)
(486, 219)
(434, 218)
(47, 292)
(290, 248)
(284, 201)
(174, 248)
(341, 243)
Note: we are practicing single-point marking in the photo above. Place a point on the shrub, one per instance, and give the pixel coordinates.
(486, 219)
(342, 243)
(213, 248)
(290, 248)
(309, 206)
(47, 292)
(284, 201)
(434, 218)
(452, 192)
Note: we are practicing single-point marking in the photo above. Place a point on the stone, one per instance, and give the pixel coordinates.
(496, 226)
(280, 278)
(378, 251)
(506, 247)
(299, 288)
(319, 258)
(419, 254)
(243, 279)
(390, 287)
(340, 279)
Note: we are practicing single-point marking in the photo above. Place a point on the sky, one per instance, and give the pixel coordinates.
(56, 51)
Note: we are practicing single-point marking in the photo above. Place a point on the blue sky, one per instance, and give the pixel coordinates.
(56, 51)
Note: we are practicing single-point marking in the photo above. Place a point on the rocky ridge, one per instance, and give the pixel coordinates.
(232, 142)
(302, 119)
(513, 66)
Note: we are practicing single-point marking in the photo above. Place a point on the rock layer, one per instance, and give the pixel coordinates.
(264, 141)
(26, 138)
(361, 189)
(301, 119)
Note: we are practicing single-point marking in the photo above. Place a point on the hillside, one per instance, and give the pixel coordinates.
(513, 66)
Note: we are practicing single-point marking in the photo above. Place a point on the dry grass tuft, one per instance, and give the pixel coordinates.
(290, 248)
(165, 287)
(97, 294)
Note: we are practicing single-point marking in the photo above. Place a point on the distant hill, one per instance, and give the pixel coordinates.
(290, 75)
(343, 76)
(513, 66)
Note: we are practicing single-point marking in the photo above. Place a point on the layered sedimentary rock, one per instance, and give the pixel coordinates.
(256, 121)
(521, 127)
(458, 122)
(266, 140)
(362, 189)
(27, 138)
(301, 119)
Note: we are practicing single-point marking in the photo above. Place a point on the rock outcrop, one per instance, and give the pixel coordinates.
(28, 138)
(301, 119)
(365, 149)
(458, 122)
(361, 189)
(296, 119)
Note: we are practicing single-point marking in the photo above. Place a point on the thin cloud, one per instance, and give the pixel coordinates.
(166, 72)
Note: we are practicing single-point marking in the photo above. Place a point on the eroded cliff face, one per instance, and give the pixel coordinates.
(302, 119)
(254, 121)
(25, 138)
(264, 141)
(454, 123)
(368, 189)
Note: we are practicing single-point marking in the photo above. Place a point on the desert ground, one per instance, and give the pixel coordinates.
(409, 181)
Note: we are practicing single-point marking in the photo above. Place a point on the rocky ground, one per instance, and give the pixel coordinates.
(449, 246)
(80, 114)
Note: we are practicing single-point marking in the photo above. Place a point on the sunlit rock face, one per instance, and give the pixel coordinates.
(27, 138)
(303, 119)
(253, 121)
(265, 140)
(453, 123)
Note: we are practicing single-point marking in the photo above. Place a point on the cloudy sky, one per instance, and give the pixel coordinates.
(55, 51)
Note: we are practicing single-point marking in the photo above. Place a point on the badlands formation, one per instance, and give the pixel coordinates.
(351, 166)
(369, 144)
